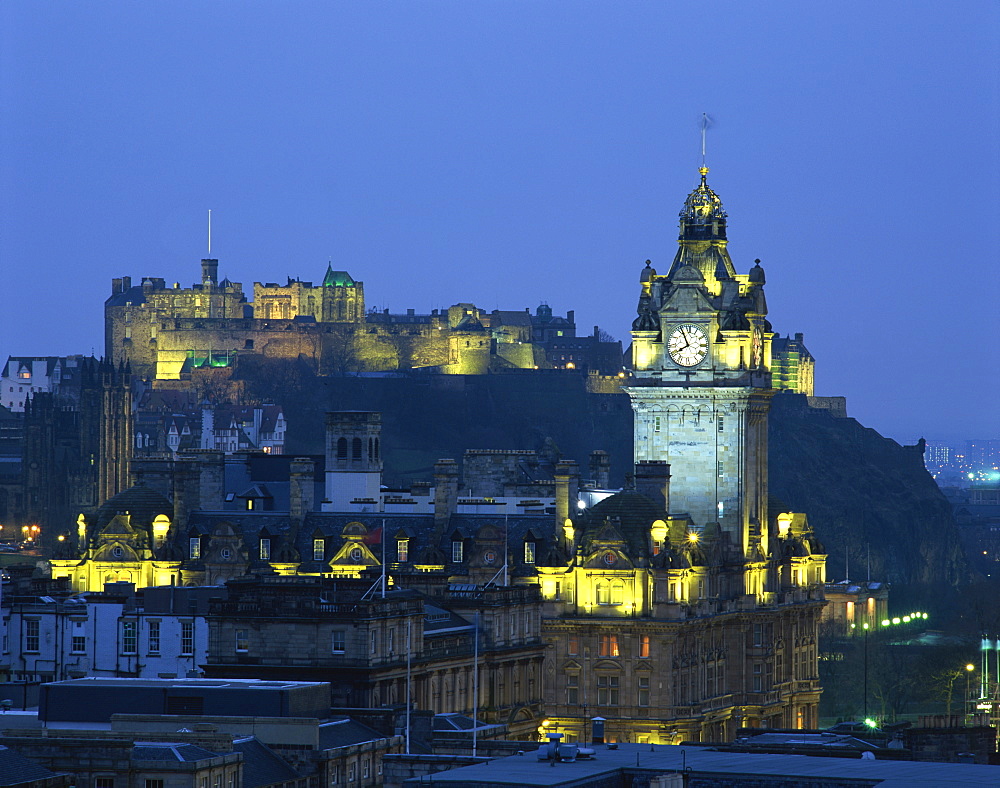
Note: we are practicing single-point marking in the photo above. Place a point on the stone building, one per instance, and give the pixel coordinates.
(168, 332)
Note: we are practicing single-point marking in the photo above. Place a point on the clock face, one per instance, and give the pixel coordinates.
(756, 348)
(687, 345)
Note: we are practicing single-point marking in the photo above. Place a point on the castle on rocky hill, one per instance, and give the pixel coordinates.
(166, 332)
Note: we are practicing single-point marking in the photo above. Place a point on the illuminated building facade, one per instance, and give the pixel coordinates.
(168, 332)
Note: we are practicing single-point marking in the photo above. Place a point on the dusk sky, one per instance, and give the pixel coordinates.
(513, 153)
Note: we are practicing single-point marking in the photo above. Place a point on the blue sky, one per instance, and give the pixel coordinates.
(509, 153)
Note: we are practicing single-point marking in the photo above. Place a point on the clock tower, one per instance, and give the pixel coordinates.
(701, 385)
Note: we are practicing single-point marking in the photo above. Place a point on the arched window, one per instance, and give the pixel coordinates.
(342, 448)
(371, 454)
(376, 448)
(356, 449)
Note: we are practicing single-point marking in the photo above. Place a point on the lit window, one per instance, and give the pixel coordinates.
(319, 549)
(603, 593)
(644, 645)
(402, 550)
(242, 640)
(339, 642)
(617, 592)
(194, 548)
(573, 646)
(529, 552)
(609, 646)
(265, 549)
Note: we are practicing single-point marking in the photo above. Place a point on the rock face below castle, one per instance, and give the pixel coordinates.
(166, 332)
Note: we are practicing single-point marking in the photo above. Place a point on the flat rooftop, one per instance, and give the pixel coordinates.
(97, 681)
(519, 771)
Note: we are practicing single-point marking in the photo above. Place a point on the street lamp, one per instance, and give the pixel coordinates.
(968, 679)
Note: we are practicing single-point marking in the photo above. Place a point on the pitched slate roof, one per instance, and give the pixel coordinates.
(156, 751)
(343, 732)
(261, 766)
(15, 769)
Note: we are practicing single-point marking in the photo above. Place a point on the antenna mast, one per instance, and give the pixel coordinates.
(210, 218)
(705, 121)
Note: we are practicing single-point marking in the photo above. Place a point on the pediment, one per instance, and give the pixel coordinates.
(572, 664)
(355, 554)
(607, 664)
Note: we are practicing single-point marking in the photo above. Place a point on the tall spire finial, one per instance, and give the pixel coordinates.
(706, 121)
(210, 219)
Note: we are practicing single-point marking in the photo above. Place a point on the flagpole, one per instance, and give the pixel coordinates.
(475, 684)
(383, 558)
(409, 648)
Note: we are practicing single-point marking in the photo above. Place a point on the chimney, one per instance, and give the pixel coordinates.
(445, 492)
(567, 476)
(301, 489)
(211, 479)
(116, 286)
(600, 469)
(571, 316)
(126, 283)
(652, 479)
(185, 494)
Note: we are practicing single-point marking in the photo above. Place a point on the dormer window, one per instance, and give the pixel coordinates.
(265, 549)
(529, 552)
(319, 549)
(456, 551)
(402, 550)
(194, 548)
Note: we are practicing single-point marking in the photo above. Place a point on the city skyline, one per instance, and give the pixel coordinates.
(514, 154)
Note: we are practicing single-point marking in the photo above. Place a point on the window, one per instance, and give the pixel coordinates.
(104, 782)
(356, 449)
(187, 637)
(644, 646)
(31, 635)
(456, 551)
(402, 550)
(572, 689)
(319, 549)
(338, 643)
(719, 469)
(529, 552)
(656, 423)
(154, 637)
(265, 549)
(154, 783)
(643, 691)
(243, 640)
(573, 646)
(617, 592)
(390, 640)
(194, 548)
(603, 593)
(374, 644)
(335, 774)
(79, 644)
(607, 690)
(609, 646)
(352, 772)
(129, 638)
(366, 768)
(722, 424)
(342, 448)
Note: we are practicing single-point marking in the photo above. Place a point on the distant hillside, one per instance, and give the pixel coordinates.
(858, 488)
